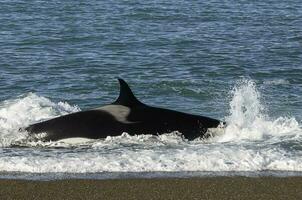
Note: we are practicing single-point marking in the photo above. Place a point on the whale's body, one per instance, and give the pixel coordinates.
(126, 114)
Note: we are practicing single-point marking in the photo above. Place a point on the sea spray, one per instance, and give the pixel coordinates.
(31, 108)
(248, 119)
(251, 142)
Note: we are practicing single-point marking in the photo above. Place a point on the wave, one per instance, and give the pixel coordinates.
(251, 141)
(247, 119)
(25, 110)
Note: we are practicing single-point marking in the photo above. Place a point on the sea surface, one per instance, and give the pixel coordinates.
(236, 61)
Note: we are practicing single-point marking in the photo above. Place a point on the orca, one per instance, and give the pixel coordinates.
(126, 114)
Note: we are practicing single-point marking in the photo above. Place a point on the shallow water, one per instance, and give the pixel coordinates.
(235, 61)
(251, 142)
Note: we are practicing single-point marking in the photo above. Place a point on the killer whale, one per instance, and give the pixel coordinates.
(126, 114)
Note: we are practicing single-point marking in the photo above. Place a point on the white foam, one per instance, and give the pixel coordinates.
(168, 158)
(20, 112)
(248, 121)
(252, 141)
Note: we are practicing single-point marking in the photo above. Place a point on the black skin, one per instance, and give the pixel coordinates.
(99, 124)
(142, 119)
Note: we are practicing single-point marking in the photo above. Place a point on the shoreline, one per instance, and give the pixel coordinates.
(53, 176)
(237, 187)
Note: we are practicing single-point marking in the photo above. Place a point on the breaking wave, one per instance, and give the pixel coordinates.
(251, 141)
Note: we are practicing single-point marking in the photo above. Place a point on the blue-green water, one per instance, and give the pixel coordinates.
(237, 61)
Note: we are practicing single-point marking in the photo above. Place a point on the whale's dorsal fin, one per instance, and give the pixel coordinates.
(126, 97)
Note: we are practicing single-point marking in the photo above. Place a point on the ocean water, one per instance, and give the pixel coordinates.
(237, 61)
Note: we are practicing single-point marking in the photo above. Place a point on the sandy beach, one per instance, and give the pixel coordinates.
(169, 188)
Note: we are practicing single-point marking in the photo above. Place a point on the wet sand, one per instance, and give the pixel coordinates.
(168, 188)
